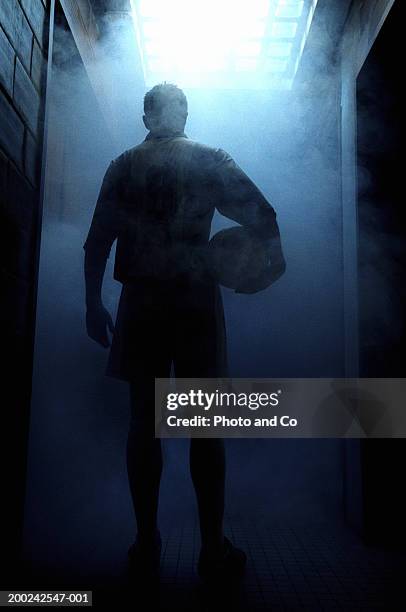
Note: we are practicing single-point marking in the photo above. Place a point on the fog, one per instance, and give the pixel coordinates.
(78, 500)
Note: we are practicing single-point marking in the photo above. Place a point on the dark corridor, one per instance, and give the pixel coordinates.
(69, 518)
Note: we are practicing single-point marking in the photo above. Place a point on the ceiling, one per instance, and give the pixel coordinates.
(244, 44)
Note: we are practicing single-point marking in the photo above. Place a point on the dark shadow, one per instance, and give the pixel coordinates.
(382, 268)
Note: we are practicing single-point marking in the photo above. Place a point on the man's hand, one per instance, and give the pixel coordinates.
(98, 320)
(270, 275)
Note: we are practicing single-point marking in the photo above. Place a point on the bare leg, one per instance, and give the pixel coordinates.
(207, 467)
(144, 459)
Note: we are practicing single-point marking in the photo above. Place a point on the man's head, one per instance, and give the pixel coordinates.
(165, 108)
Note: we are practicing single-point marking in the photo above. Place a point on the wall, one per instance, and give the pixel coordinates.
(363, 24)
(71, 463)
(23, 50)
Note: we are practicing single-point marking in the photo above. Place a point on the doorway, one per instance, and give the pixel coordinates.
(381, 268)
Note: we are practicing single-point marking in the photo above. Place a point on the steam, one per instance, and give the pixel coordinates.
(287, 142)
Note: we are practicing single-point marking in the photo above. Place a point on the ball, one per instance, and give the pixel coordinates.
(235, 256)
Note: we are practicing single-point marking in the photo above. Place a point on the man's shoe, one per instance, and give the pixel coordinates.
(144, 558)
(228, 566)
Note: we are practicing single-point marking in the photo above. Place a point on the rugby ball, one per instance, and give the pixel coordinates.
(235, 256)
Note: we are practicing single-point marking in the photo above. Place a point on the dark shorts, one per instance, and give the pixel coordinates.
(164, 322)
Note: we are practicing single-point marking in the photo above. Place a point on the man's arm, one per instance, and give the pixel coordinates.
(103, 231)
(240, 200)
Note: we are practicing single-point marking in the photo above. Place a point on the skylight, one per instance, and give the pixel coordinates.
(244, 44)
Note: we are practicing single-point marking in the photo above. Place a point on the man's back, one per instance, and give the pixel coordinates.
(158, 199)
(166, 208)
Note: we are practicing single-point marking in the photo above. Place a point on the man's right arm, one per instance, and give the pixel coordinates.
(103, 231)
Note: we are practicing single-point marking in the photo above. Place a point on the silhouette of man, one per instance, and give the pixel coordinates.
(158, 199)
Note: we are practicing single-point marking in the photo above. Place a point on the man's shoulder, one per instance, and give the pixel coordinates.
(202, 154)
(207, 155)
(126, 155)
(121, 165)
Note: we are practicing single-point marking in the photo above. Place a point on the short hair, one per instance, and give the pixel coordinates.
(162, 95)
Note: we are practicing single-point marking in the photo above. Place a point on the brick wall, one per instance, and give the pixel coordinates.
(23, 45)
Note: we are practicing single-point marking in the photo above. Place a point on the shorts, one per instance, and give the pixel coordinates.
(160, 323)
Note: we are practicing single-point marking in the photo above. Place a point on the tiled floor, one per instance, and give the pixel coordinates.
(290, 567)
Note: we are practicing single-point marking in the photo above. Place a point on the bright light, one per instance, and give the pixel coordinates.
(288, 9)
(248, 49)
(283, 29)
(248, 64)
(231, 43)
(280, 49)
(254, 29)
(276, 65)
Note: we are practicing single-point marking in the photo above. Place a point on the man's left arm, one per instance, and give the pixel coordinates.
(242, 201)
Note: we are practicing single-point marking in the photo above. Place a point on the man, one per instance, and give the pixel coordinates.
(158, 200)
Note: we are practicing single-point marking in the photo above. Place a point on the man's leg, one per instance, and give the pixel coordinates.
(207, 467)
(142, 325)
(144, 459)
(201, 352)
(218, 559)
